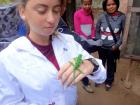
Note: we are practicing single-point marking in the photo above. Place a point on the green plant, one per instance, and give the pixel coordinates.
(5, 1)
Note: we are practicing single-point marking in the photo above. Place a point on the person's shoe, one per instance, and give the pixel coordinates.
(88, 88)
(107, 87)
(96, 84)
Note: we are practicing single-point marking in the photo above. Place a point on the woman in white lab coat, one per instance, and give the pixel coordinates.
(38, 69)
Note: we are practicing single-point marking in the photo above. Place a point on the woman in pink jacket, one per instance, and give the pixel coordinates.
(84, 26)
(84, 20)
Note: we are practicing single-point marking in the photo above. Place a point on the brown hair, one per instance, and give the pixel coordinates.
(83, 0)
(24, 2)
(63, 4)
(104, 4)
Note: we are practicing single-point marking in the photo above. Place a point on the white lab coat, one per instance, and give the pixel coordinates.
(28, 78)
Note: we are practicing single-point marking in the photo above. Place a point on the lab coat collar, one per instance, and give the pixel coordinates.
(24, 44)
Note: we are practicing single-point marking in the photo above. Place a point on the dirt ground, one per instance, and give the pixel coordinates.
(119, 94)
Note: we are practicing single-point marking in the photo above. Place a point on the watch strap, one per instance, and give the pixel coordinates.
(95, 63)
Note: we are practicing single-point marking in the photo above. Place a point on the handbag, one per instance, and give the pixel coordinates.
(117, 51)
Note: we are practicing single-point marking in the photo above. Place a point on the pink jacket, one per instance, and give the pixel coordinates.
(84, 24)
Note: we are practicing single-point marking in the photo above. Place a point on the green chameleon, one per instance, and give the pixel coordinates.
(5, 1)
(77, 62)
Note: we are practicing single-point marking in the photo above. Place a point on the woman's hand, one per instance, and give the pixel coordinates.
(69, 76)
(114, 48)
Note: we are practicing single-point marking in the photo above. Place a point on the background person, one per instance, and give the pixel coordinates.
(41, 72)
(84, 20)
(109, 51)
(84, 27)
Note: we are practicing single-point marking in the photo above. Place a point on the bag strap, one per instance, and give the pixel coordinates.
(109, 25)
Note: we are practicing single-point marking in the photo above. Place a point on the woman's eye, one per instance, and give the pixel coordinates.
(111, 4)
(41, 10)
(108, 4)
(57, 10)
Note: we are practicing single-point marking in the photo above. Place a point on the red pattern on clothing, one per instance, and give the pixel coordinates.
(109, 33)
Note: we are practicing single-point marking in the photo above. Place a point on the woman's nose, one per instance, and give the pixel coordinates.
(88, 6)
(50, 17)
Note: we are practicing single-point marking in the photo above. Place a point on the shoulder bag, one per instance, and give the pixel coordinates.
(117, 51)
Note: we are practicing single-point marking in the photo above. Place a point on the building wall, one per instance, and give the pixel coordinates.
(123, 5)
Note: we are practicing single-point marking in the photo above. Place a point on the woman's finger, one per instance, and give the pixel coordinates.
(63, 69)
(72, 78)
(79, 77)
(66, 74)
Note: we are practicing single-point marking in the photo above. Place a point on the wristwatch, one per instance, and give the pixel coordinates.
(95, 63)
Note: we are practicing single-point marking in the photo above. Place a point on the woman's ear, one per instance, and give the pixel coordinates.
(21, 9)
